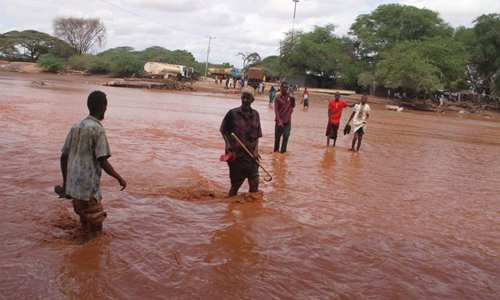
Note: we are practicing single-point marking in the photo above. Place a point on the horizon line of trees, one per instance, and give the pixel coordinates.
(397, 47)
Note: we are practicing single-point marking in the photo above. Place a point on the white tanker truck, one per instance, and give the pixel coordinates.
(164, 70)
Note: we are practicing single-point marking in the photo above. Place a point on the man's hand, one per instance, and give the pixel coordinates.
(60, 190)
(122, 183)
(256, 155)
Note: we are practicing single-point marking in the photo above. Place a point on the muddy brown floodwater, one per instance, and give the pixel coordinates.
(413, 215)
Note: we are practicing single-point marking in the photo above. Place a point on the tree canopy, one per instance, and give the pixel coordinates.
(30, 45)
(82, 34)
(392, 23)
(421, 65)
(319, 52)
(395, 46)
(483, 43)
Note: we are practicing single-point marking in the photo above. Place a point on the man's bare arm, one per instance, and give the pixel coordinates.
(350, 118)
(106, 166)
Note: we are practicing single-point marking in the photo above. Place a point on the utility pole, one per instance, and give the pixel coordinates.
(208, 52)
(293, 24)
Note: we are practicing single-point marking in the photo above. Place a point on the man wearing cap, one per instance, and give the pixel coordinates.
(283, 109)
(244, 122)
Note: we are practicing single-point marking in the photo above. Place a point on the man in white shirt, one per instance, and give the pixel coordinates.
(359, 116)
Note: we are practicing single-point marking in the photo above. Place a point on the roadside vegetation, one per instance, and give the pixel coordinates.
(395, 48)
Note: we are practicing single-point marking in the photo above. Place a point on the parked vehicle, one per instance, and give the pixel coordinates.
(254, 76)
(164, 70)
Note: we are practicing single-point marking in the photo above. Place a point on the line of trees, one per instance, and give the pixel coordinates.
(396, 46)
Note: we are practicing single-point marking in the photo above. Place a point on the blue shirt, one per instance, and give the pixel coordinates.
(85, 144)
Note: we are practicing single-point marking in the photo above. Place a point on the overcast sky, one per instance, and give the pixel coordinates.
(238, 25)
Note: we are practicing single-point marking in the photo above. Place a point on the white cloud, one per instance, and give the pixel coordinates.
(239, 26)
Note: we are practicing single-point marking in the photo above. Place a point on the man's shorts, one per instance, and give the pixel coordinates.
(92, 211)
(332, 129)
(241, 169)
(360, 131)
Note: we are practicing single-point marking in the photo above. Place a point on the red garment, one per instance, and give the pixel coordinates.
(335, 109)
(283, 108)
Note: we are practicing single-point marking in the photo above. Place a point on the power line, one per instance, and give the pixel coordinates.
(149, 19)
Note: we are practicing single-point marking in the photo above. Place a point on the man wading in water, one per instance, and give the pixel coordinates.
(283, 109)
(335, 108)
(84, 154)
(244, 121)
(359, 116)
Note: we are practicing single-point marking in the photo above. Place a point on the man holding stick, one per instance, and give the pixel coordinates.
(244, 122)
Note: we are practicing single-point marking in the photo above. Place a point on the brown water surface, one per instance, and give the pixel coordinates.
(413, 215)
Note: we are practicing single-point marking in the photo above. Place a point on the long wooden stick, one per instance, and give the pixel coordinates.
(251, 155)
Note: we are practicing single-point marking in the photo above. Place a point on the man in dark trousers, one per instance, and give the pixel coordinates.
(335, 108)
(244, 122)
(84, 154)
(283, 109)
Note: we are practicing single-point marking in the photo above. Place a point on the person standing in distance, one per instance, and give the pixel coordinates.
(272, 95)
(335, 108)
(84, 154)
(359, 117)
(244, 121)
(305, 98)
(283, 109)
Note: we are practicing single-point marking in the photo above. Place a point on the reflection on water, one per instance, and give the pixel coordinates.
(413, 215)
(279, 166)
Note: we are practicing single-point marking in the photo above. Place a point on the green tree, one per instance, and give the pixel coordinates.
(99, 65)
(79, 62)
(483, 44)
(156, 54)
(51, 63)
(8, 48)
(122, 61)
(181, 57)
(392, 23)
(272, 66)
(404, 66)
(31, 44)
(82, 34)
(420, 65)
(126, 64)
(176, 57)
(319, 52)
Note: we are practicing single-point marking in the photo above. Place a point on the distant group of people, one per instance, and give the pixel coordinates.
(86, 150)
(244, 121)
(230, 82)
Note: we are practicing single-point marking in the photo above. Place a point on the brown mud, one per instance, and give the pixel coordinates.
(414, 215)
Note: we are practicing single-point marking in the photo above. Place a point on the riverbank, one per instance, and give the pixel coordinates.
(207, 85)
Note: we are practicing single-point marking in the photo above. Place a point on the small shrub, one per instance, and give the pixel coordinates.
(98, 65)
(79, 62)
(126, 64)
(51, 63)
